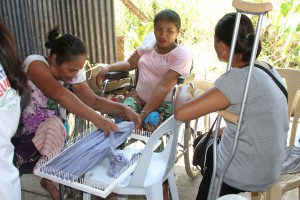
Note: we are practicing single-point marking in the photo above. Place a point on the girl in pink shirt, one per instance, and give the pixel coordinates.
(159, 67)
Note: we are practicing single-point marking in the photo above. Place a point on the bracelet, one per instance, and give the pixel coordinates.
(143, 111)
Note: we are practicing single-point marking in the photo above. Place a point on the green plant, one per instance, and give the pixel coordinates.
(138, 33)
(282, 36)
(130, 26)
(194, 28)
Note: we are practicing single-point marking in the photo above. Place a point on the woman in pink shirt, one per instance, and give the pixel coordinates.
(159, 67)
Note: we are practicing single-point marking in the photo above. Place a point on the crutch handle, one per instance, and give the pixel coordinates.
(229, 116)
(250, 7)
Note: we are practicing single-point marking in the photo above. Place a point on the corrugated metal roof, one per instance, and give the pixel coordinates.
(90, 20)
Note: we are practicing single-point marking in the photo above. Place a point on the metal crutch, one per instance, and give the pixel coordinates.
(259, 9)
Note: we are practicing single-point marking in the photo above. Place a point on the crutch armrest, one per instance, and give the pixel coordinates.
(116, 75)
(185, 79)
(229, 116)
(252, 7)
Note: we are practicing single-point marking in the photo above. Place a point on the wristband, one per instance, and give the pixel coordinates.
(143, 111)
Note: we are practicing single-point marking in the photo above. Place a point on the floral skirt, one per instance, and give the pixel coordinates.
(156, 117)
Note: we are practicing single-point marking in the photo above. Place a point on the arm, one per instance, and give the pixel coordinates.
(179, 63)
(161, 91)
(187, 107)
(123, 66)
(39, 73)
(85, 93)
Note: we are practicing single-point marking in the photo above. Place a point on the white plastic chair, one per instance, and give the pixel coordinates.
(231, 197)
(152, 169)
(287, 182)
(292, 81)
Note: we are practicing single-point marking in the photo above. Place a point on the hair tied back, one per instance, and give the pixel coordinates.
(249, 36)
(57, 37)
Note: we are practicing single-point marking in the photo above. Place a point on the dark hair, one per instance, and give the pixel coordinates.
(66, 46)
(10, 60)
(168, 15)
(245, 37)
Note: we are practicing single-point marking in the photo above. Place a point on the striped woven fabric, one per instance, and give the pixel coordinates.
(89, 151)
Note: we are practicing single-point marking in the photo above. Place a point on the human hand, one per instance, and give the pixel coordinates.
(131, 115)
(142, 117)
(106, 125)
(140, 125)
(100, 77)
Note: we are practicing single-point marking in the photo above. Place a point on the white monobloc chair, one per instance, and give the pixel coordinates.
(231, 197)
(287, 182)
(152, 169)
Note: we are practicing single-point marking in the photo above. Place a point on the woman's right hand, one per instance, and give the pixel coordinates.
(100, 77)
(141, 124)
(106, 125)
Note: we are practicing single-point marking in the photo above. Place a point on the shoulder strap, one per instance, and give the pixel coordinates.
(282, 88)
(210, 130)
(205, 140)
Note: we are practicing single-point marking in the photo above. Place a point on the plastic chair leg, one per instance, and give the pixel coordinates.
(255, 195)
(273, 194)
(86, 196)
(267, 195)
(173, 187)
(154, 192)
(122, 197)
(61, 191)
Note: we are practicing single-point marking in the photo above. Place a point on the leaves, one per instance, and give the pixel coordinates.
(280, 37)
(284, 48)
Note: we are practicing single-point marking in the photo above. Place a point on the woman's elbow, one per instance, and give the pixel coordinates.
(61, 97)
(178, 114)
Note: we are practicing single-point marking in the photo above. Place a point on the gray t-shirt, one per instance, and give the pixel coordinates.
(257, 162)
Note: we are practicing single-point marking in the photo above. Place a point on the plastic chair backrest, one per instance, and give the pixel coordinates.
(291, 78)
(167, 156)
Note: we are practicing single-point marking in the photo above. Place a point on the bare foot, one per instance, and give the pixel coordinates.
(51, 188)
